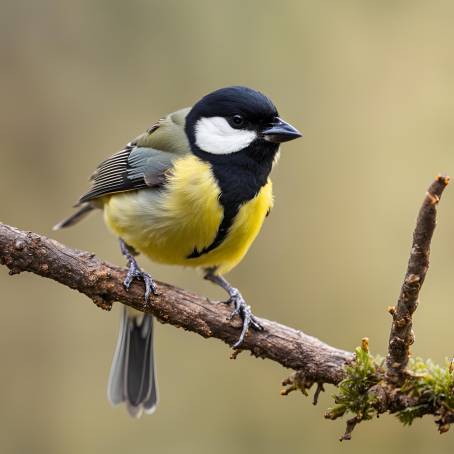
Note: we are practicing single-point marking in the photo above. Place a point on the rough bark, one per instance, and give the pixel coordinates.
(401, 336)
(103, 283)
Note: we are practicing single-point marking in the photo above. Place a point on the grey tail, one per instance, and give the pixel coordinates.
(132, 376)
(76, 217)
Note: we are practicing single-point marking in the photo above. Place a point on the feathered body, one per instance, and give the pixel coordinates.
(167, 225)
(193, 190)
(173, 203)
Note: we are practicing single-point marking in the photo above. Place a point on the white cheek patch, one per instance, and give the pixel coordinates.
(215, 135)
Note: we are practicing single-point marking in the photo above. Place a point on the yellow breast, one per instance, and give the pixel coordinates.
(168, 224)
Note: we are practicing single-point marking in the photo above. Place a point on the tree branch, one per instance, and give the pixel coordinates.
(103, 283)
(401, 336)
(371, 389)
(367, 386)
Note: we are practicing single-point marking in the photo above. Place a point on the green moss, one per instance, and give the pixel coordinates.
(431, 384)
(353, 392)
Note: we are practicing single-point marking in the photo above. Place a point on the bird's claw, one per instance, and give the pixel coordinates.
(134, 272)
(244, 311)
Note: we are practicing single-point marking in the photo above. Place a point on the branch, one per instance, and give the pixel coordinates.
(103, 283)
(401, 337)
(371, 389)
(367, 386)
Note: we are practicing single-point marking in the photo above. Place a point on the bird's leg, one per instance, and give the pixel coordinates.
(239, 305)
(134, 271)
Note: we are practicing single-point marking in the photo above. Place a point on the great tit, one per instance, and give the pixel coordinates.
(193, 190)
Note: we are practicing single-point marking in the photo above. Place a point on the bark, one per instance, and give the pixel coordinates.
(401, 336)
(102, 282)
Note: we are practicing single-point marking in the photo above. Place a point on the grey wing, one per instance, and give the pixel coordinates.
(144, 162)
(129, 169)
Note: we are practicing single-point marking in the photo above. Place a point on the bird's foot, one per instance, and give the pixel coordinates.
(244, 311)
(135, 272)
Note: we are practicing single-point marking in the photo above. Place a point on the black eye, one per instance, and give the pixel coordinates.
(237, 120)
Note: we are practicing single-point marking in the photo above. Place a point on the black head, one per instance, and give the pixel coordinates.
(236, 119)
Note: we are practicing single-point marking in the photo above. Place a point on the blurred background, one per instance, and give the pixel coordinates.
(371, 85)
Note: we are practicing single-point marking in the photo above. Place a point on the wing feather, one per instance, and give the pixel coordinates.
(143, 163)
(115, 174)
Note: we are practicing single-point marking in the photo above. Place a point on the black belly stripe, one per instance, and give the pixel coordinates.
(240, 177)
(224, 226)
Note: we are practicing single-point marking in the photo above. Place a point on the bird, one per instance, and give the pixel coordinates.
(193, 190)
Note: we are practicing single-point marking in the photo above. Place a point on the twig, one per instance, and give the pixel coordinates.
(320, 388)
(351, 424)
(401, 337)
(368, 389)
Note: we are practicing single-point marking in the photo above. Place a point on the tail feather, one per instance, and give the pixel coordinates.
(149, 405)
(116, 386)
(132, 378)
(138, 361)
(74, 218)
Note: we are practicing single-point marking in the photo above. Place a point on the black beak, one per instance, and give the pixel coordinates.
(279, 131)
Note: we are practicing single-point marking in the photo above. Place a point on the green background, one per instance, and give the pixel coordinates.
(371, 85)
